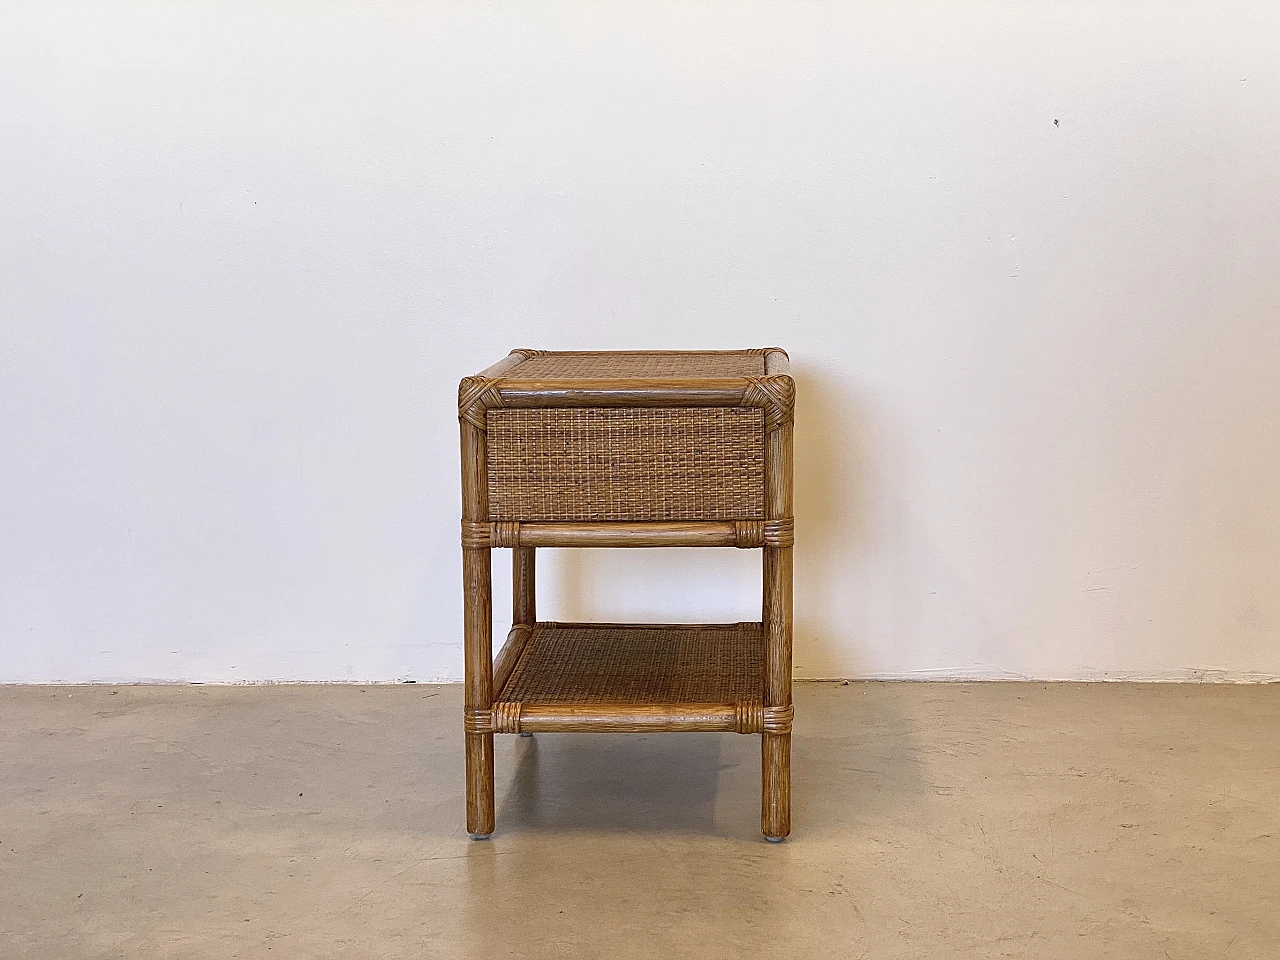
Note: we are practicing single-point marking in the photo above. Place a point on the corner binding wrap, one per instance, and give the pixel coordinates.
(764, 533)
(476, 720)
(477, 534)
(475, 396)
(748, 717)
(779, 533)
(776, 395)
(748, 534)
(778, 719)
(506, 533)
(506, 717)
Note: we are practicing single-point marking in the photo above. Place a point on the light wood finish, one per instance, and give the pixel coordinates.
(617, 677)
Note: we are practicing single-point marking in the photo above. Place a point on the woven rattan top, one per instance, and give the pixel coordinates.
(639, 365)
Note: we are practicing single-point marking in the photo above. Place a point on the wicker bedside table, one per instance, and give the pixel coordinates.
(627, 449)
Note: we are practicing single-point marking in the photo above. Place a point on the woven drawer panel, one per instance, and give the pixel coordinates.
(572, 366)
(694, 463)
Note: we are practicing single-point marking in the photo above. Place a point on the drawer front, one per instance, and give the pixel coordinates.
(637, 464)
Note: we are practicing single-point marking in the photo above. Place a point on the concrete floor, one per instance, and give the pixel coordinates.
(931, 820)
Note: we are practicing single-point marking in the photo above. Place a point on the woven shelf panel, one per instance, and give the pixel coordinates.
(630, 665)
(575, 366)
(679, 463)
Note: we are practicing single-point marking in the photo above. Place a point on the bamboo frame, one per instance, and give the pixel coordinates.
(486, 710)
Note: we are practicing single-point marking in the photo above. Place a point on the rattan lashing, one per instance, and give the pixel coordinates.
(627, 449)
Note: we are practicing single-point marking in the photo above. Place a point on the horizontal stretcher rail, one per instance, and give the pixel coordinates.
(743, 717)
(745, 534)
(509, 655)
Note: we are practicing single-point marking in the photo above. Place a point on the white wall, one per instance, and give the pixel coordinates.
(248, 249)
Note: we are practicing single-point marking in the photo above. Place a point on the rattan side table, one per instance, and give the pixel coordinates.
(627, 449)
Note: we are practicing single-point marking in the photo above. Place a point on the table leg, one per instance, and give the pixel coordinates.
(775, 780)
(524, 593)
(478, 664)
(775, 802)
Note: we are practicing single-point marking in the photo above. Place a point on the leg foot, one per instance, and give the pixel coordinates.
(526, 734)
(479, 784)
(775, 785)
(479, 836)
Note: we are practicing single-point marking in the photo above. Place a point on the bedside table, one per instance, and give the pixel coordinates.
(627, 449)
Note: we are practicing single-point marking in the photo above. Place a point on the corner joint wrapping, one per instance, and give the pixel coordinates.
(748, 534)
(476, 395)
(776, 395)
(506, 717)
(748, 717)
(506, 533)
(778, 719)
(779, 533)
(476, 720)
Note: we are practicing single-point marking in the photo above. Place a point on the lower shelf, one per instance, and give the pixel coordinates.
(578, 677)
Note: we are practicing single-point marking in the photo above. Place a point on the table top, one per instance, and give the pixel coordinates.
(638, 365)
(632, 378)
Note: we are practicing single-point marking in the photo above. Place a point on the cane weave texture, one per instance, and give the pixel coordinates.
(600, 366)
(627, 463)
(620, 664)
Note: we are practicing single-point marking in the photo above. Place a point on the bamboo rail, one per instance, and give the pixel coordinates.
(744, 534)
